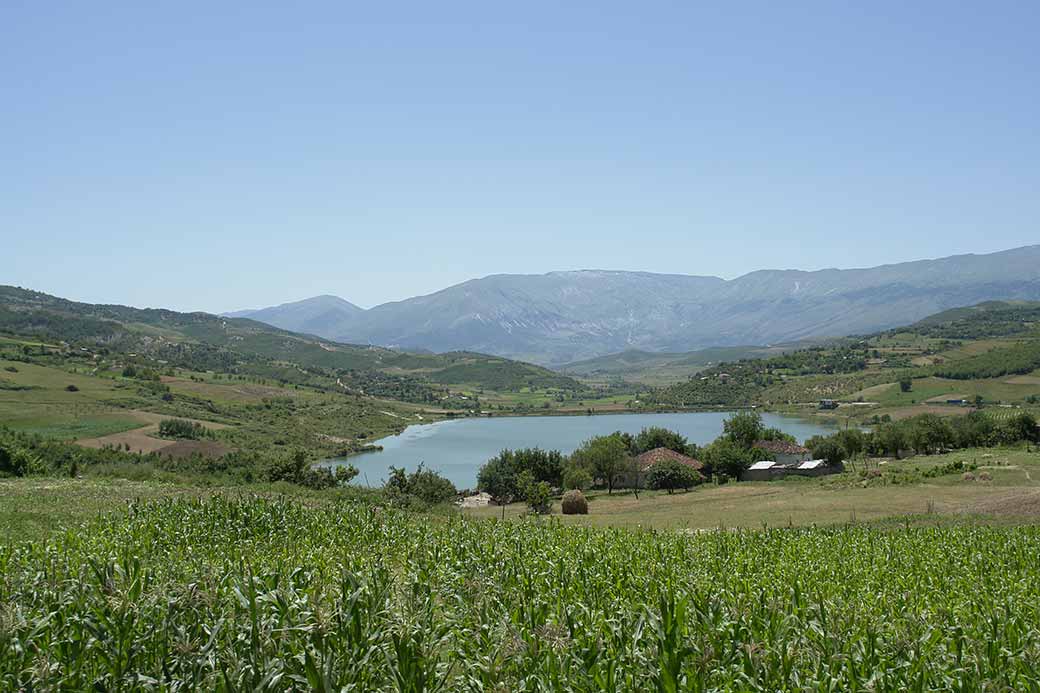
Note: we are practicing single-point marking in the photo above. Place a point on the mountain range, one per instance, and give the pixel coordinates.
(562, 317)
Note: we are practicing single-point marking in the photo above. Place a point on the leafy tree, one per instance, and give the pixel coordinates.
(776, 434)
(498, 479)
(890, 439)
(576, 477)
(654, 437)
(345, 473)
(672, 474)
(535, 493)
(829, 449)
(286, 468)
(744, 428)
(16, 461)
(603, 457)
(424, 485)
(727, 457)
(1021, 426)
(929, 433)
(852, 440)
(180, 428)
(499, 476)
(906, 384)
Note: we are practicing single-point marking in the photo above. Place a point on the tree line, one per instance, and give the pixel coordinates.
(603, 461)
(926, 434)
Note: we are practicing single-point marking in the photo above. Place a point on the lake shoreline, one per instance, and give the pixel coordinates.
(457, 446)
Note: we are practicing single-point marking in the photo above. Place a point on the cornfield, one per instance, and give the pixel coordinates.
(259, 594)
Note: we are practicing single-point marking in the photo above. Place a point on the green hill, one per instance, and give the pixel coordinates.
(652, 368)
(988, 353)
(209, 342)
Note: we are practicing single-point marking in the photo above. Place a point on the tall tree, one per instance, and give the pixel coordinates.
(744, 428)
(604, 457)
(654, 437)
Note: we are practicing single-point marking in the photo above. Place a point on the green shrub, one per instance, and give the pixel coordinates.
(673, 474)
(182, 429)
(576, 478)
(423, 486)
(535, 493)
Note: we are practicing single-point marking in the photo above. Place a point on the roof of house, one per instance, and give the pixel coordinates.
(780, 447)
(813, 464)
(764, 464)
(651, 457)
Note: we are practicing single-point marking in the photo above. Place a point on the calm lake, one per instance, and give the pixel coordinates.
(457, 448)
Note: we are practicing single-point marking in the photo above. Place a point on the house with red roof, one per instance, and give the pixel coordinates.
(643, 463)
(782, 451)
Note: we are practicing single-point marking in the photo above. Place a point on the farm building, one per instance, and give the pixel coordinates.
(767, 470)
(828, 404)
(648, 459)
(817, 468)
(783, 451)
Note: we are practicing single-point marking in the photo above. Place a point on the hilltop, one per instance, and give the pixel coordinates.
(563, 317)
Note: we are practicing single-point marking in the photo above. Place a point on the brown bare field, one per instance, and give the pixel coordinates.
(144, 440)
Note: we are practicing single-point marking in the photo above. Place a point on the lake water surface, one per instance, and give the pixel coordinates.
(457, 448)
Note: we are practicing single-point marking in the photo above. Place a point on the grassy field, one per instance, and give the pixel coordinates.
(265, 594)
(1013, 495)
(36, 399)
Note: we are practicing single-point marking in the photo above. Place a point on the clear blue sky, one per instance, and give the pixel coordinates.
(224, 155)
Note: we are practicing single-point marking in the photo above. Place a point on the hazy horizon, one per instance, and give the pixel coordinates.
(606, 269)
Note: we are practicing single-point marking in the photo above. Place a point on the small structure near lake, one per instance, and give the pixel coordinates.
(643, 463)
(783, 451)
(768, 470)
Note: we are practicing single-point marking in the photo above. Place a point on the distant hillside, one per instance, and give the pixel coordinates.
(658, 368)
(320, 315)
(990, 351)
(563, 317)
(204, 341)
